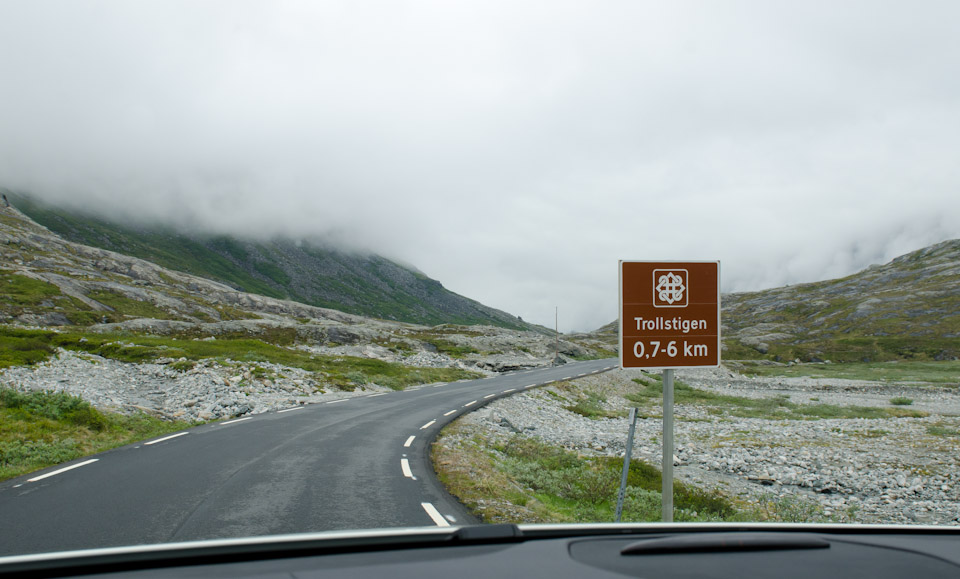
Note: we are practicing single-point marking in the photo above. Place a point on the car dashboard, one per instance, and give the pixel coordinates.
(554, 551)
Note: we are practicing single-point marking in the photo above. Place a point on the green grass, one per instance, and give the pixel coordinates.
(23, 295)
(22, 350)
(945, 372)
(773, 408)
(561, 486)
(130, 307)
(443, 345)
(183, 365)
(41, 429)
(20, 294)
(851, 347)
(20, 346)
(901, 401)
(19, 290)
(591, 406)
(942, 430)
(524, 480)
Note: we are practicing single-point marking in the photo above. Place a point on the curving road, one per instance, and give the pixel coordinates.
(354, 463)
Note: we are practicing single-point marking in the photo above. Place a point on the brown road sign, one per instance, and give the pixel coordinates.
(669, 314)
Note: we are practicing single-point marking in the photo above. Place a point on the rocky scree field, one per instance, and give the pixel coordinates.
(764, 448)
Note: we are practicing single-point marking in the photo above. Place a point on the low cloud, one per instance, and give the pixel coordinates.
(514, 151)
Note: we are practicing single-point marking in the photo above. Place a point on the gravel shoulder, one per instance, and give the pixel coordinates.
(876, 470)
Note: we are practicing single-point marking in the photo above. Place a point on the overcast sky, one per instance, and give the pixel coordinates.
(512, 150)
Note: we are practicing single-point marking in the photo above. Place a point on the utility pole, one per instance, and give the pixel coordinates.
(556, 325)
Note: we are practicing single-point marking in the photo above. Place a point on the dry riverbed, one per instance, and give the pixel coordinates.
(835, 450)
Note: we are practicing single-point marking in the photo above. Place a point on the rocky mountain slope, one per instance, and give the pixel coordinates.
(906, 309)
(47, 281)
(310, 273)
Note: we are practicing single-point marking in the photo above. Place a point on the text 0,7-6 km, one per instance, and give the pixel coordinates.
(671, 349)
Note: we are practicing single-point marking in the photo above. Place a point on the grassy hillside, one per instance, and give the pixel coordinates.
(908, 309)
(367, 285)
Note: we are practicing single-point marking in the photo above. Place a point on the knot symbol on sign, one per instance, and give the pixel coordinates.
(670, 288)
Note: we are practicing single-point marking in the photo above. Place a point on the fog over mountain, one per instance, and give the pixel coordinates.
(512, 150)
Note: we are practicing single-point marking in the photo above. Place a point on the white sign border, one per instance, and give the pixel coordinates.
(620, 313)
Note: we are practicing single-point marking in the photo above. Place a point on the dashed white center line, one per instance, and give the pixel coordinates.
(449, 413)
(235, 421)
(510, 390)
(165, 438)
(409, 442)
(469, 403)
(434, 514)
(290, 409)
(405, 467)
(336, 401)
(489, 396)
(62, 470)
(428, 425)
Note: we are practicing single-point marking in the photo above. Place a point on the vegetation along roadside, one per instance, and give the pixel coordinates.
(42, 429)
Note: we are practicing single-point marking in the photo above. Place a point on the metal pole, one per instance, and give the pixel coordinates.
(556, 321)
(626, 464)
(666, 491)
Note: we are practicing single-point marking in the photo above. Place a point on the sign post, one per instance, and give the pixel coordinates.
(666, 462)
(669, 318)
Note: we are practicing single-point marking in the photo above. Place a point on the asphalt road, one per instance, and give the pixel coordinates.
(356, 463)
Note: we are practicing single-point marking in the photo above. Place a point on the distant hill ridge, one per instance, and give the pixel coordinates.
(908, 308)
(361, 284)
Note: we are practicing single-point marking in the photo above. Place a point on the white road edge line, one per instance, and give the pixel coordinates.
(165, 438)
(530, 386)
(341, 400)
(469, 403)
(375, 395)
(510, 390)
(408, 442)
(235, 421)
(64, 469)
(489, 396)
(449, 413)
(434, 514)
(290, 409)
(427, 425)
(405, 467)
